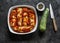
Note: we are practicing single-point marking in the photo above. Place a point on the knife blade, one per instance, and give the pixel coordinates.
(52, 17)
(51, 12)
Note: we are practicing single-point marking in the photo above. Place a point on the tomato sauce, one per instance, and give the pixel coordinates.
(22, 19)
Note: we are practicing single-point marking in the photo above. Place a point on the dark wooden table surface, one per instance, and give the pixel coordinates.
(49, 36)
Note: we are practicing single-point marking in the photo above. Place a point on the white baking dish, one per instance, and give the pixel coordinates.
(28, 6)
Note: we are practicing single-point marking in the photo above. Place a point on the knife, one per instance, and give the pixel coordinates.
(52, 17)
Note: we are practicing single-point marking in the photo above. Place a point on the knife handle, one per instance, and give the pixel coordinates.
(55, 25)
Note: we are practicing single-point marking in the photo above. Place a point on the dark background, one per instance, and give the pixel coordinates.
(49, 36)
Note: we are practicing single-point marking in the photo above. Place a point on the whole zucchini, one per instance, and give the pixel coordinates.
(44, 20)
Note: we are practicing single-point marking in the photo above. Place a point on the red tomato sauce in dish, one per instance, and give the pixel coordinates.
(22, 19)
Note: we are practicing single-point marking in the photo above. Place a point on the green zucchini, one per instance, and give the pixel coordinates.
(43, 21)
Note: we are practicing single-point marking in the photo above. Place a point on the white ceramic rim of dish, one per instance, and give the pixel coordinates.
(42, 8)
(35, 28)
